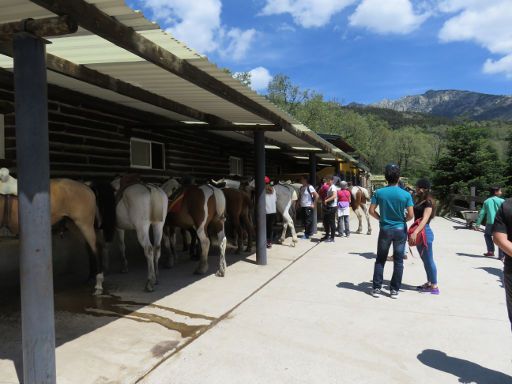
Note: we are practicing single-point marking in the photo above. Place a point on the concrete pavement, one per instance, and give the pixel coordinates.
(304, 318)
(316, 323)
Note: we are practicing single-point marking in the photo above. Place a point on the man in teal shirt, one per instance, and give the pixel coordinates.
(488, 211)
(393, 203)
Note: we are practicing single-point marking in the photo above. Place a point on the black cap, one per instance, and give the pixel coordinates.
(391, 168)
(423, 183)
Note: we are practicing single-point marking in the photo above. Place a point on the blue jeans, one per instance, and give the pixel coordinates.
(397, 237)
(488, 240)
(427, 255)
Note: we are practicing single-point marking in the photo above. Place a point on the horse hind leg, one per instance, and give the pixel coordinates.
(122, 250)
(202, 268)
(221, 236)
(143, 238)
(359, 219)
(170, 247)
(96, 266)
(157, 240)
(368, 220)
(292, 227)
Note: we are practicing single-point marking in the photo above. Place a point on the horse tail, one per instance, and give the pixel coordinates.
(106, 208)
(220, 202)
(157, 204)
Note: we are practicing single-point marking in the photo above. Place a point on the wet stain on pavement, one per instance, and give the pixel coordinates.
(162, 348)
(115, 306)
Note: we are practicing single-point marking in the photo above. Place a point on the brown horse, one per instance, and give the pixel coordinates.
(238, 212)
(68, 199)
(202, 209)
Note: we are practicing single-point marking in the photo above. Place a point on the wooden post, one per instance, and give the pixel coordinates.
(472, 202)
(37, 314)
(261, 217)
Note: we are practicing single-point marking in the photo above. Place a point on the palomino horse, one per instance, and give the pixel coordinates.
(359, 204)
(201, 208)
(139, 207)
(68, 199)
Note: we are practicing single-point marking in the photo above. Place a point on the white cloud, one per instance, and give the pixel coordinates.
(239, 43)
(260, 77)
(307, 13)
(485, 22)
(390, 16)
(198, 24)
(503, 65)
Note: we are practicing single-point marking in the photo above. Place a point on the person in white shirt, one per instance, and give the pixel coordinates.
(330, 205)
(308, 199)
(270, 209)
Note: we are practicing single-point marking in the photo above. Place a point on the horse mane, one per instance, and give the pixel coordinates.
(105, 199)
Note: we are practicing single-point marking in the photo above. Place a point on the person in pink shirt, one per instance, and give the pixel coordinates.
(344, 198)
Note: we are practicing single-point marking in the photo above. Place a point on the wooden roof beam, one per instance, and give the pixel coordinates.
(104, 81)
(213, 127)
(97, 22)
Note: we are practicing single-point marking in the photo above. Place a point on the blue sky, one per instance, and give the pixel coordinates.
(351, 50)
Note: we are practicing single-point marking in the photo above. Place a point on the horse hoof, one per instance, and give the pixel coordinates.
(149, 287)
(220, 274)
(369, 233)
(295, 240)
(248, 250)
(124, 270)
(293, 244)
(359, 232)
(98, 292)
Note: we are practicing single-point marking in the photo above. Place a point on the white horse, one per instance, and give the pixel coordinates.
(286, 195)
(360, 205)
(201, 209)
(140, 207)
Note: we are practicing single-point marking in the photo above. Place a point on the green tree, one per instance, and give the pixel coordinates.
(470, 160)
(286, 95)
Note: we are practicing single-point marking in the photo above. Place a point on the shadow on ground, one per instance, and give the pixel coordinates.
(495, 272)
(474, 255)
(78, 312)
(366, 286)
(366, 255)
(466, 371)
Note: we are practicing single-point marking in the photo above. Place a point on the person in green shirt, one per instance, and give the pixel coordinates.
(488, 211)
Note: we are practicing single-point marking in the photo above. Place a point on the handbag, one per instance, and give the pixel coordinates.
(422, 236)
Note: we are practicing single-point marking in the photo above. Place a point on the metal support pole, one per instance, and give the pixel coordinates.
(37, 313)
(261, 218)
(312, 181)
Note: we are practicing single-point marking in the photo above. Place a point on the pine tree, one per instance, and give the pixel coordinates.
(470, 160)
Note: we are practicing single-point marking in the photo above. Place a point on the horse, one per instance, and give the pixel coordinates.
(238, 212)
(286, 195)
(68, 199)
(138, 207)
(359, 203)
(199, 208)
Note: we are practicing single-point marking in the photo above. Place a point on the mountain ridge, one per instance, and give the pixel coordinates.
(453, 104)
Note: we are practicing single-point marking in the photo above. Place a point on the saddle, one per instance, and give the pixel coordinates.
(176, 200)
(8, 184)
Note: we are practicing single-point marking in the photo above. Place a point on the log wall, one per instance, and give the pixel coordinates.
(90, 138)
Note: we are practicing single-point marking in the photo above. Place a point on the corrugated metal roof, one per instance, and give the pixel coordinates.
(99, 54)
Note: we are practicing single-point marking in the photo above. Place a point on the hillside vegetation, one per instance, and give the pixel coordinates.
(418, 142)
